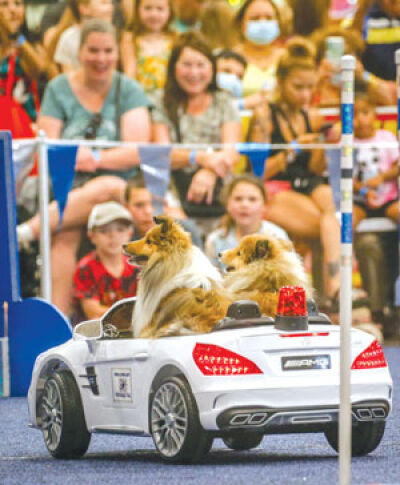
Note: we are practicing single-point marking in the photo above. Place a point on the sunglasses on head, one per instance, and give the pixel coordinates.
(93, 126)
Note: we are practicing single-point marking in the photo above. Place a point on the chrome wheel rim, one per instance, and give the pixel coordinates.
(169, 419)
(51, 414)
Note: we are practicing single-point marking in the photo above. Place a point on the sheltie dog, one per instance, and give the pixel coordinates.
(179, 290)
(260, 266)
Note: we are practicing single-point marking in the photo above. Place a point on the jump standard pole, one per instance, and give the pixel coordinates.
(348, 64)
(397, 61)
(45, 269)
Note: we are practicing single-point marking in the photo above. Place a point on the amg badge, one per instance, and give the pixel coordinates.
(305, 362)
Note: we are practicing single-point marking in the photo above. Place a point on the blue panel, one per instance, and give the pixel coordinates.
(35, 326)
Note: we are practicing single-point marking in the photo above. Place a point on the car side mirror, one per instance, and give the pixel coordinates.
(91, 330)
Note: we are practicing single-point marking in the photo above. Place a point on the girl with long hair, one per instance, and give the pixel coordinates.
(244, 198)
(146, 46)
(302, 202)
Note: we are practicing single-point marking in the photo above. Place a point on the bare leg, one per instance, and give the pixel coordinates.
(296, 213)
(392, 211)
(63, 263)
(330, 237)
(80, 203)
(358, 215)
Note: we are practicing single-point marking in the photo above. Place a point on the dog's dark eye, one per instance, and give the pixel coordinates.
(238, 253)
(149, 241)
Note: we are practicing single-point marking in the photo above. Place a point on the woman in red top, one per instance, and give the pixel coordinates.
(21, 65)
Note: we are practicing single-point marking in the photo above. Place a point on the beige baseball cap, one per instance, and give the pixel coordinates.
(107, 212)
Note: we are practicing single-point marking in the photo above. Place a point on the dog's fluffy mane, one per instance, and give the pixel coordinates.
(267, 272)
(177, 264)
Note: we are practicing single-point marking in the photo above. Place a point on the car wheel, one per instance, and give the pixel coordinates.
(175, 425)
(63, 422)
(365, 437)
(243, 441)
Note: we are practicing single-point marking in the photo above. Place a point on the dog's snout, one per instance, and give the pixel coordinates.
(220, 255)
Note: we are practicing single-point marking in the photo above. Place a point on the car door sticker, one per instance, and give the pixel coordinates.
(122, 384)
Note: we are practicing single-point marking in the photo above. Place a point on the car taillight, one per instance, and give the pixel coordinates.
(292, 302)
(370, 358)
(213, 360)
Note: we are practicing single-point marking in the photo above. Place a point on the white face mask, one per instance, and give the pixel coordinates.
(262, 32)
(230, 82)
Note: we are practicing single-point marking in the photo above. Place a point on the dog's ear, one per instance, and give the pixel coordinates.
(286, 244)
(262, 249)
(164, 222)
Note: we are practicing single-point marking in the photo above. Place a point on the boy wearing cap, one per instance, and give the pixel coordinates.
(104, 276)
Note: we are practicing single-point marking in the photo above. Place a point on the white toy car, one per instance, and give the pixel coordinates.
(249, 377)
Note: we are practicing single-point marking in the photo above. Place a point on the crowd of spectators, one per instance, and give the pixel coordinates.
(181, 71)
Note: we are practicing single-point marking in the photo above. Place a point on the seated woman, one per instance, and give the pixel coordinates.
(262, 32)
(193, 110)
(92, 102)
(303, 203)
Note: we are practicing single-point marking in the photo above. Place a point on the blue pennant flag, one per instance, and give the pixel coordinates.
(257, 153)
(62, 171)
(154, 162)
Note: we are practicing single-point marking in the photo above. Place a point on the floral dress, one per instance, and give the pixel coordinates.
(151, 70)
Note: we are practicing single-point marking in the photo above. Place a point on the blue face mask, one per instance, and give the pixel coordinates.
(230, 82)
(262, 32)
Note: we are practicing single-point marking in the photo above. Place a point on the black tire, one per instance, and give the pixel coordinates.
(243, 441)
(365, 437)
(63, 422)
(174, 423)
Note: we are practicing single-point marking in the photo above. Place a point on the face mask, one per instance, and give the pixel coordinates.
(262, 32)
(230, 82)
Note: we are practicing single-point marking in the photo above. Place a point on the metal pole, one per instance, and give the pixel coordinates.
(397, 61)
(5, 354)
(45, 269)
(348, 65)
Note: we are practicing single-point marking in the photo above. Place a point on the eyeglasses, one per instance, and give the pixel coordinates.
(93, 126)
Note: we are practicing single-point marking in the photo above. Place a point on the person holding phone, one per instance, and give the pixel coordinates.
(331, 44)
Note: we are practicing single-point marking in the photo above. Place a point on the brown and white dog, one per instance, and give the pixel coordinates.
(260, 266)
(179, 290)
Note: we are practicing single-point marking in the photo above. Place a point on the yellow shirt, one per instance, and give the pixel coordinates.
(255, 79)
(151, 71)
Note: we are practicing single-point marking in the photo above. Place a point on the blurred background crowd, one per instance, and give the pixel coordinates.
(208, 72)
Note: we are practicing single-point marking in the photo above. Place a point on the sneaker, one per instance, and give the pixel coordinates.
(24, 235)
(372, 328)
(332, 304)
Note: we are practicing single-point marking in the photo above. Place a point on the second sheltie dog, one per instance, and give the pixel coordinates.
(260, 266)
(179, 290)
